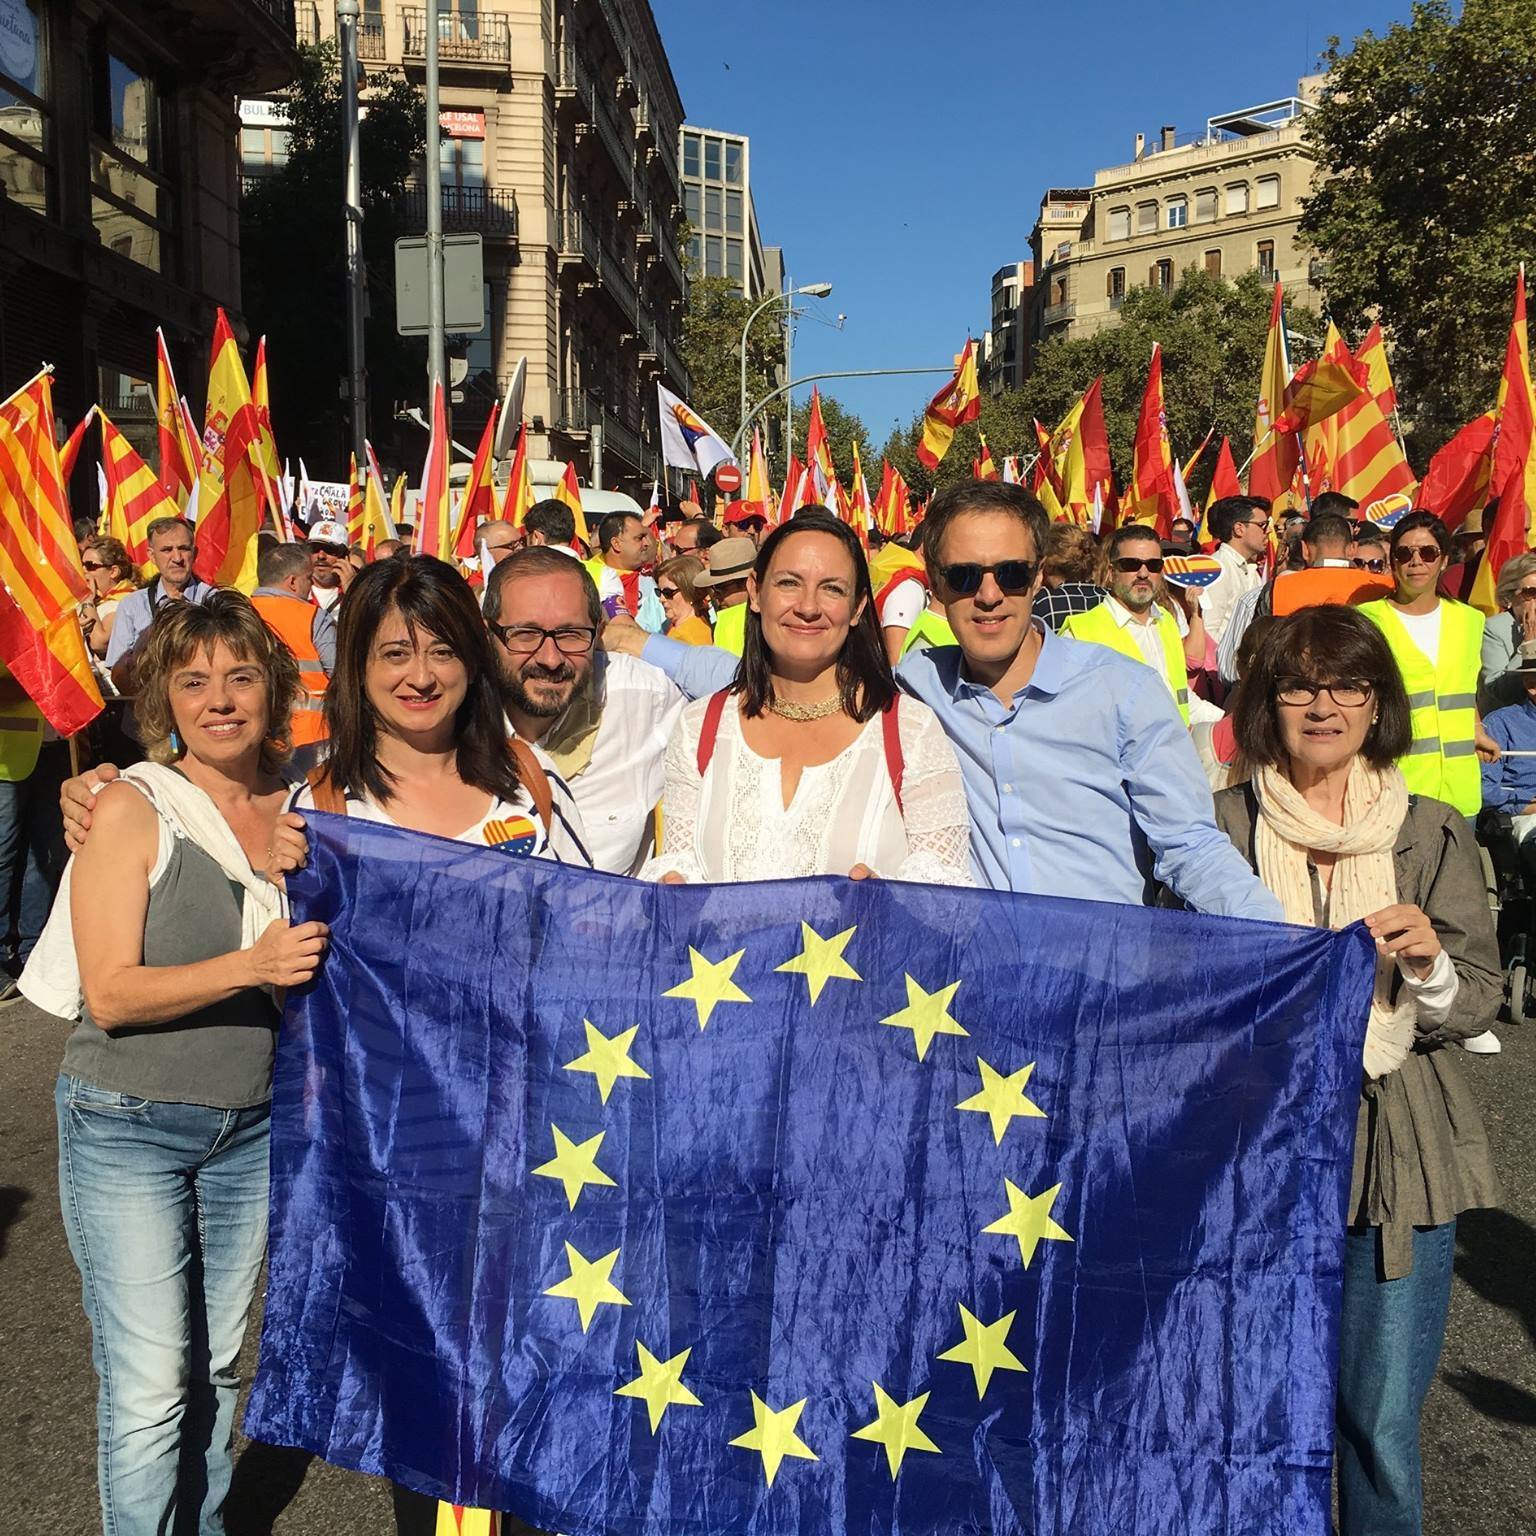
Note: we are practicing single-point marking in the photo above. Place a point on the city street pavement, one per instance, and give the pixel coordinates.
(1479, 1428)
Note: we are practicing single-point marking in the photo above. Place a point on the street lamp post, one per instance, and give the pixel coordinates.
(809, 290)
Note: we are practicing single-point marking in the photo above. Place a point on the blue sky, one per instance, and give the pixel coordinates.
(900, 149)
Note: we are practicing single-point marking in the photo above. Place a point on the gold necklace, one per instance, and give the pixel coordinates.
(790, 711)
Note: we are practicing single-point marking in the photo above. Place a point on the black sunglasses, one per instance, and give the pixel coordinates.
(1126, 565)
(965, 579)
(1376, 566)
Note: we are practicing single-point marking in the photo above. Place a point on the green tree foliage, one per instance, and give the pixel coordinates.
(1212, 333)
(294, 260)
(711, 349)
(1425, 199)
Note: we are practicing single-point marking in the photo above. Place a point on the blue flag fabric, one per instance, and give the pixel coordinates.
(807, 1207)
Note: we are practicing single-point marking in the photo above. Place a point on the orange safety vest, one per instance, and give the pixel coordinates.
(292, 620)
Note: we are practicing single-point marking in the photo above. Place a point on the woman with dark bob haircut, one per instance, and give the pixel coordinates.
(1330, 827)
(418, 733)
(811, 762)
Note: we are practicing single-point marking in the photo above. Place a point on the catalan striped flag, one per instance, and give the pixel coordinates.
(1513, 480)
(135, 496)
(180, 456)
(355, 521)
(229, 495)
(1373, 353)
(479, 501)
(1369, 462)
(858, 498)
(1154, 495)
(954, 405)
(40, 570)
(519, 497)
(434, 522)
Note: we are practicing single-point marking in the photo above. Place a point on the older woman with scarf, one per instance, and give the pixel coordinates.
(1331, 829)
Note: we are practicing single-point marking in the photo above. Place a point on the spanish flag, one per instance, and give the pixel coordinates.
(229, 496)
(1224, 482)
(519, 497)
(434, 522)
(378, 525)
(397, 505)
(180, 453)
(479, 503)
(1513, 480)
(1456, 480)
(569, 492)
(984, 467)
(40, 570)
(818, 451)
(858, 498)
(135, 497)
(759, 491)
(954, 405)
(266, 457)
(1275, 456)
(1154, 494)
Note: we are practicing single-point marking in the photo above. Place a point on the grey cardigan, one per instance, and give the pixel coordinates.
(1421, 1154)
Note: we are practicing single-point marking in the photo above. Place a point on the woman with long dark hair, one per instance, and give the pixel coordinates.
(811, 762)
(417, 729)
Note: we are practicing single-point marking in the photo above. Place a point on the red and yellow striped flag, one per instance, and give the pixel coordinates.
(479, 502)
(229, 497)
(519, 496)
(569, 492)
(43, 580)
(954, 405)
(135, 496)
(355, 528)
(1373, 353)
(180, 458)
(434, 521)
(1513, 480)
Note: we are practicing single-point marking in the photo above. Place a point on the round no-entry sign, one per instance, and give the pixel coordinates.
(728, 478)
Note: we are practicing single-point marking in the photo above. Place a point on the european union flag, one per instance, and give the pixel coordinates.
(807, 1207)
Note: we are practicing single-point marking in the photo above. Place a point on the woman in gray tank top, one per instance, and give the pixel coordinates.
(163, 1098)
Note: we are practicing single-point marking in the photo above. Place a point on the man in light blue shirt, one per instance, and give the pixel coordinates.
(1080, 776)
(172, 549)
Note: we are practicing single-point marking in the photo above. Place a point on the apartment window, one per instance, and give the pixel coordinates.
(253, 149)
(1114, 284)
(1266, 254)
(1205, 206)
(733, 213)
(1060, 291)
(24, 139)
(462, 163)
(696, 253)
(712, 159)
(1178, 212)
(691, 204)
(733, 260)
(1161, 275)
(733, 159)
(1146, 218)
(1237, 197)
(712, 208)
(130, 200)
(714, 256)
(1266, 192)
(1213, 263)
(1119, 224)
(690, 154)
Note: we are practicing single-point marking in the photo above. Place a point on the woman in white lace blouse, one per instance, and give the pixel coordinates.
(812, 763)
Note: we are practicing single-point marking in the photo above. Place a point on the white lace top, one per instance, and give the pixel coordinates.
(733, 824)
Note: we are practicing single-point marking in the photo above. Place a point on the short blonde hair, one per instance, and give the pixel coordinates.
(182, 629)
(1511, 574)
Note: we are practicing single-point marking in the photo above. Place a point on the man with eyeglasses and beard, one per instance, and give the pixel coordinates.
(1079, 774)
(605, 720)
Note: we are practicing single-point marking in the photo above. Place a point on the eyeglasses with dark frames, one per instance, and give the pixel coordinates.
(1350, 693)
(525, 639)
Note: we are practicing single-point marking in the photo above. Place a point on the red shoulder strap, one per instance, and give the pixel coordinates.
(710, 729)
(326, 792)
(895, 761)
(531, 775)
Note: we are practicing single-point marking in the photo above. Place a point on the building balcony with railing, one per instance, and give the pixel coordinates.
(472, 37)
(1058, 314)
(492, 211)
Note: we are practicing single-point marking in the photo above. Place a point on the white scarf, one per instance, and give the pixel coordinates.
(1364, 879)
(51, 979)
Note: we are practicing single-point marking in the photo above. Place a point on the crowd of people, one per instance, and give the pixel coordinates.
(996, 701)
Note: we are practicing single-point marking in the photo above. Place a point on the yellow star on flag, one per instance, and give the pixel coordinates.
(710, 983)
(1029, 1220)
(1002, 1098)
(984, 1348)
(659, 1384)
(773, 1436)
(588, 1284)
(896, 1428)
(927, 1015)
(574, 1164)
(821, 959)
(607, 1059)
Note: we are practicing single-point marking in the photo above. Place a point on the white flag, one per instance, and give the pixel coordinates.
(687, 440)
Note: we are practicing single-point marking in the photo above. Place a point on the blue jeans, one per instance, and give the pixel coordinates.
(1390, 1337)
(165, 1207)
(32, 851)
